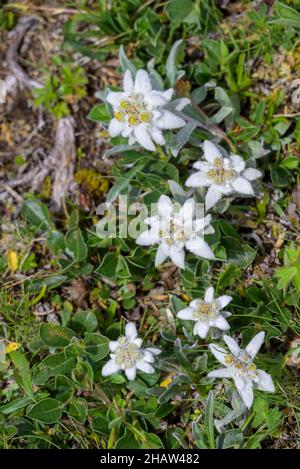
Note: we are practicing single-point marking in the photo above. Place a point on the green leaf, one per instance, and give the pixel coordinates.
(123, 270)
(117, 149)
(125, 63)
(108, 266)
(177, 190)
(175, 437)
(286, 15)
(10, 431)
(74, 219)
(96, 346)
(55, 336)
(151, 441)
(182, 137)
(199, 94)
(230, 439)
(274, 419)
(221, 115)
(227, 229)
(257, 295)
(22, 372)
(164, 410)
(84, 321)
(53, 365)
(115, 423)
(258, 114)
(15, 405)
(198, 436)
(47, 411)
(238, 253)
(215, 50)
(285, 276)
(280, 176)
(127, 441)
(117, 378)
(260, 409)
(178, 10)
(56, 241)
(99, 113)
(290, 162)
(177, 304)
(37, 214)
(139, 258)
(51, 282)
(75, 244)
(122, 183)
(100, 425)
(227, 276)
(78, 409)
(209, 421)
(171, 68)
(83, 375)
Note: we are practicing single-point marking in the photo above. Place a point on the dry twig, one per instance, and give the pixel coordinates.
(19, 77)
(63, 156)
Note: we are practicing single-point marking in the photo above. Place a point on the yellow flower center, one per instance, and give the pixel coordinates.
(206, 311)
(132, 119)
(252, 367)
(241, 364)
(124, 105)
(218, 163)
(119, 116)
(228, 359)
(219, 174)
(126, 353)
(133, 110)
(174, 232)
(145, 116)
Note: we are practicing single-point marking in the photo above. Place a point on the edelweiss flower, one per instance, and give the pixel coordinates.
(221, 175)
(139, 112)
(176, 230)
(127, 355)
(206, 313)
(239, 366)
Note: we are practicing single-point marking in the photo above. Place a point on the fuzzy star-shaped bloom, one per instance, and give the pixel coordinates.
(139, 111)
(175, 229)
(238, 365)
(222, 176)
(129, 356)
(207, 313)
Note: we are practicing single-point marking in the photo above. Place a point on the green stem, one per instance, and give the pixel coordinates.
(161, 153)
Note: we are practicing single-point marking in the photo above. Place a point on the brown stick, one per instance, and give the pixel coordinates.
(63, 156)
(16, 37)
